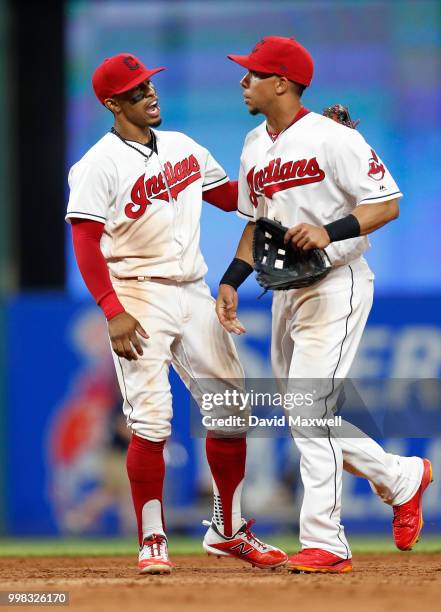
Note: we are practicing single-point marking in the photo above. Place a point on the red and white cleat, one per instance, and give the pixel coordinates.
(316, 560)
(408, 518)
(153, 556)
(243, 545)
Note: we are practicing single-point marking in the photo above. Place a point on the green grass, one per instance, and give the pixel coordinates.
(179, 545)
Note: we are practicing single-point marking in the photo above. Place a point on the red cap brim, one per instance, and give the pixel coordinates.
(246, 62)
(140, 78)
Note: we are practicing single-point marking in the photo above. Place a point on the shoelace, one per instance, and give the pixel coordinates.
(155, 547)
(252, 539)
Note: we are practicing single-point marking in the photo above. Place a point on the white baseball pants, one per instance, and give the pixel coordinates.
(316, 333)
(184, 331)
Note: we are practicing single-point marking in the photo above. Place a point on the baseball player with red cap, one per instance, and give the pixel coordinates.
(135, 204)
(329, 187)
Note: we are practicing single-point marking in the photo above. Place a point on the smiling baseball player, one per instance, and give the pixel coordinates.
(135, 205)
(323, 181)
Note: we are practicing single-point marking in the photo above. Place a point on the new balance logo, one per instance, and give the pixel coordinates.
(241, 547)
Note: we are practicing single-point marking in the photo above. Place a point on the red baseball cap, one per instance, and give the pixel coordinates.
(118, 74)
(279, 55)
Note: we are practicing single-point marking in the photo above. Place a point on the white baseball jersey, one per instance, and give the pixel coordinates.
(150, 204)
(315, 172)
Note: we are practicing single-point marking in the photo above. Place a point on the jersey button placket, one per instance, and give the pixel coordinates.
(178, 225)
(270, 155)
(175, 224)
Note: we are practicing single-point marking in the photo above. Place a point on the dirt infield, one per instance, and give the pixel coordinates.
(404, 582)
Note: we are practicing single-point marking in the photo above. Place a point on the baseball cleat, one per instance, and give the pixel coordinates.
(243, 545)
(153, 556)
(316, 560)
(408, 518)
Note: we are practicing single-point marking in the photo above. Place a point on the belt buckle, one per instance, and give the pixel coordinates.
(141, 279)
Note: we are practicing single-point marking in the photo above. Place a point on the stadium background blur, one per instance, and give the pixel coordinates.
(62, 450)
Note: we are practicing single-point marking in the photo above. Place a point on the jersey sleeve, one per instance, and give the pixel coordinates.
(361, 173)
(214, 174)
(245, 208)
(91, 191)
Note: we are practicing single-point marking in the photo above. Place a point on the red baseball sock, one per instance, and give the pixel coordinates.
(226, 458)
(146, 470)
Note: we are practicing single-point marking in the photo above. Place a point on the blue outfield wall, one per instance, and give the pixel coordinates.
(65, 437)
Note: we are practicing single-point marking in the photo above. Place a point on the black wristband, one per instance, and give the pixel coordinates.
(342, 229)
(237, 272)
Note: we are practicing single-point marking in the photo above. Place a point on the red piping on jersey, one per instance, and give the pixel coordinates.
(86, 236)
(302, 112)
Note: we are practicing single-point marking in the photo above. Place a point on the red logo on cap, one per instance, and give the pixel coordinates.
(376, 170)
(131, 63)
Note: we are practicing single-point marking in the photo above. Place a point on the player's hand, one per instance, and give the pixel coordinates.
(306, 237)
(124, 332)
(226, 310)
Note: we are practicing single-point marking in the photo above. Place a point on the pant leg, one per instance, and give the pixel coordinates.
(393, 478)
(205, 357)
(144, 383)
(203, 349)
(326, 324)
(282, 344)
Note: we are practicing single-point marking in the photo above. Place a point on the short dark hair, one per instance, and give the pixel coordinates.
(298, 88)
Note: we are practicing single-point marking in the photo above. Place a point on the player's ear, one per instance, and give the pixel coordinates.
(112, 105)
(281, 85)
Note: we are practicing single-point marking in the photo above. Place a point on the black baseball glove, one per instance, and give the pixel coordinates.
(340, 114)
(282, 266)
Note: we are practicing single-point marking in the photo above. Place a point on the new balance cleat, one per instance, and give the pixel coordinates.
(153, 556)
(243, 545)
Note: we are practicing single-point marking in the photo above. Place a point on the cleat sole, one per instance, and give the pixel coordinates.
(315, 570)
(156, 569)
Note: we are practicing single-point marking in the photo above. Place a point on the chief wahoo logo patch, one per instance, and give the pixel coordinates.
(376, 169)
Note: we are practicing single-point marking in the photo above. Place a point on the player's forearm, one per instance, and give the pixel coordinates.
(373, 216)
(245, 246)
(242, 265)
(363, 220)
(86, 237)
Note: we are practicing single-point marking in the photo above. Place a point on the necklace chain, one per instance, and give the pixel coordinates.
(153, 143)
